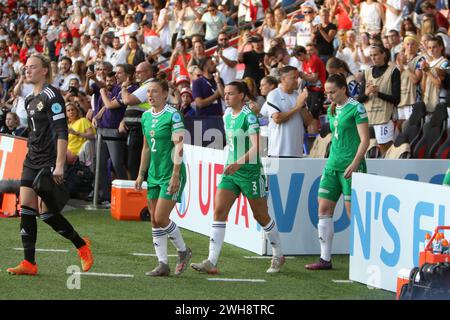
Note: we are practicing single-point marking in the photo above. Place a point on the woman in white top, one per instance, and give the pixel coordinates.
(268, 29)
(285, 27)
(363, 47)
(161, 15)
(370, 16)
(349, 52)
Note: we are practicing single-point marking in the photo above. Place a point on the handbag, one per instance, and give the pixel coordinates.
(55, 196)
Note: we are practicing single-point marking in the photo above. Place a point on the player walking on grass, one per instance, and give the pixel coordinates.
(47, 148)
(162, 156)
(350, 140)
(243, 174)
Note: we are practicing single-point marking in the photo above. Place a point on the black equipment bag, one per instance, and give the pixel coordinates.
(434, 283)
(79, 180)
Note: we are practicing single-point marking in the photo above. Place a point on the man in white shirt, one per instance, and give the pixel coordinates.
(227, 58)
(62, 79)
(286, 111)
(116, 54)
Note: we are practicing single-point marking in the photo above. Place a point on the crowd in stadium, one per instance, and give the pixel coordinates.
(104, 54)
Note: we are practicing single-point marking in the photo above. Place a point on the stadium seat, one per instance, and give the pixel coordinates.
(322, 143)
(444, 150)
(434, 133)
(412, 128)
(373, 151)
(400, 149)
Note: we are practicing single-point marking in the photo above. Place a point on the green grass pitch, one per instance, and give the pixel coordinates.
(113, 243)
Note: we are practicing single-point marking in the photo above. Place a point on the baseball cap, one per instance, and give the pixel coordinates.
(188, 91)
(181, 79)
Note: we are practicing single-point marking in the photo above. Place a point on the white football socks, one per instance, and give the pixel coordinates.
(273, 235)
(160, 244)
(216, 240)
(174, 234)
(325, 230)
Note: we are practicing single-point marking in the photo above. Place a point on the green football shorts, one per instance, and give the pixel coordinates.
(333, 184)
(157, 192)
(254, 188)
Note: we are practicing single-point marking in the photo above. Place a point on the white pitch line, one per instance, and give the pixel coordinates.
(265, 257)
(45, 250)
(151, 255)
(342, 281)
(114, 275)
(235, 280)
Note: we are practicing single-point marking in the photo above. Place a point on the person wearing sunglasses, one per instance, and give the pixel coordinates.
(215, 21)
(306, 28)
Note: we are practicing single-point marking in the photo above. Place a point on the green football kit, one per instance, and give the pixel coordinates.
(249, 179)
(158, 129)
(344, 145)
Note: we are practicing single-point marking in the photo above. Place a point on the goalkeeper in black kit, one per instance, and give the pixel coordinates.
(47, 147)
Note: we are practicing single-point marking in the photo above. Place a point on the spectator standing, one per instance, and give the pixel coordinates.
(395, 43)
(215, 21)
(371, 16)
(268, 29)
(116, 54)
(208, 93)
(323, 35)
(314, 75)
(287, 114)
(62, 79)
(179, 60)
(191, 16)
(254, 60)
(227, 57)
(305, 29)
(393, 13)
(208, 90)
(137, 104)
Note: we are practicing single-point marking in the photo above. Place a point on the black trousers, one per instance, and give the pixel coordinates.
(134, 149)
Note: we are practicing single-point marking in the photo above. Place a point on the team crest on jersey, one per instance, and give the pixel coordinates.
(56, 107)
(152, 133)
(40, 106)
(251, 118)
(176, 117)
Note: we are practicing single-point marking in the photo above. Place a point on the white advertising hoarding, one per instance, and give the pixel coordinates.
(390, 218)
(293, 186)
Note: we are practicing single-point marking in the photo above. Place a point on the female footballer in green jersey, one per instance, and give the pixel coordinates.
(350, 140)
(242, 174)
(162, 156)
